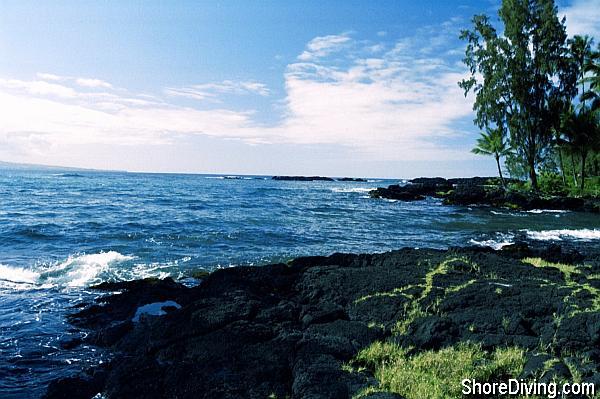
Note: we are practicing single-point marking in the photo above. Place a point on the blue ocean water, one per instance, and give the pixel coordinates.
(62, 232)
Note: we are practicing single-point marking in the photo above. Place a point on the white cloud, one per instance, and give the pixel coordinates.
(322, 46)
(49, 76)
(583, 18)
(38, 88)
(87, 82)
(38, 114)
(392, 105)
(386, 106)
(397, 105)
(80, 81)
(213, 90)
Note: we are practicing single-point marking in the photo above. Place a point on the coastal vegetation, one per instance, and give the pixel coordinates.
(539, 90)
(434, 374)
(493, 143)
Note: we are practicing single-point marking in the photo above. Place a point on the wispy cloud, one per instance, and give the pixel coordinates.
(396, 105)
(80, 81)
(49, 76)
(213, 90)
(87, 82)
(38, 88)
(322, 46)
(65, 114)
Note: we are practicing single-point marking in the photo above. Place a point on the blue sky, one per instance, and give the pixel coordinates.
(266, 87)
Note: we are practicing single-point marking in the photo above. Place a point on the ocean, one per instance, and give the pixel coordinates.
(61, 232)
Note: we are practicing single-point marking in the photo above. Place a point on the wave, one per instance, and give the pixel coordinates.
(351, 189)
(75, 271)
(546, 211)
(508, 213)
(499, 242)
(17, 276)
(559, 235)
(234, 177)
(81, 270)
(557, 212)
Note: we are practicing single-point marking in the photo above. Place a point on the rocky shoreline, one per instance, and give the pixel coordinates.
(482, 191)
(295, 329)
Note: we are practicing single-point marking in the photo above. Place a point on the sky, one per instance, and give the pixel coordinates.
(338, 88)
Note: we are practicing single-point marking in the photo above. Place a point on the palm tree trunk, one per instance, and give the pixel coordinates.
(500, 171)
(533, 175)
(583, 157)
(573, 170)
(583, 87)
(562, 167)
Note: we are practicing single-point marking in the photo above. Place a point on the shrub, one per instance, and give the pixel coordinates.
(551, 183)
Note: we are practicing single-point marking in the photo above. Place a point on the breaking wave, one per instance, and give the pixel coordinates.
(501, 240)
(559, 235)
(75, 271)
(352, 189)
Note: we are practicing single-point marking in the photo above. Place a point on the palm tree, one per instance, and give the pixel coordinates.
(592, 69)
(492, 143)
(558, 143)
(582, 133)
(581, 50)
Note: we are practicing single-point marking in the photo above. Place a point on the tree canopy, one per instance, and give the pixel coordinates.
(521, 77)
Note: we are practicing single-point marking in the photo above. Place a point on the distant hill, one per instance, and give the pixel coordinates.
(31, 166)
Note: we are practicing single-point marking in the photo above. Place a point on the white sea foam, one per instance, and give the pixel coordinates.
(496, 244)
(17, 277)
(85, 270)
(81, 270)
(547, 211)
(508, 213)
(558, 235)
(352, 189)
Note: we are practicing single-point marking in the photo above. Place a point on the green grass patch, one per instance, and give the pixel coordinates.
(414, 309)
(566, 269)
(436, 374)
(396, 292)
(578, 288)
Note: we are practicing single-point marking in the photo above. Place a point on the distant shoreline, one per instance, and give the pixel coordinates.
(483, 191)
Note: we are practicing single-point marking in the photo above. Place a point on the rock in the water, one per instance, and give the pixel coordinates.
(476, 191)
(353, 179)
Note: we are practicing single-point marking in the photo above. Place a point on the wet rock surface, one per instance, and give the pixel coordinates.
(287, 329)
(481, 191)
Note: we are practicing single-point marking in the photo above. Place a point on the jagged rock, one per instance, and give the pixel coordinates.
(287, 329)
